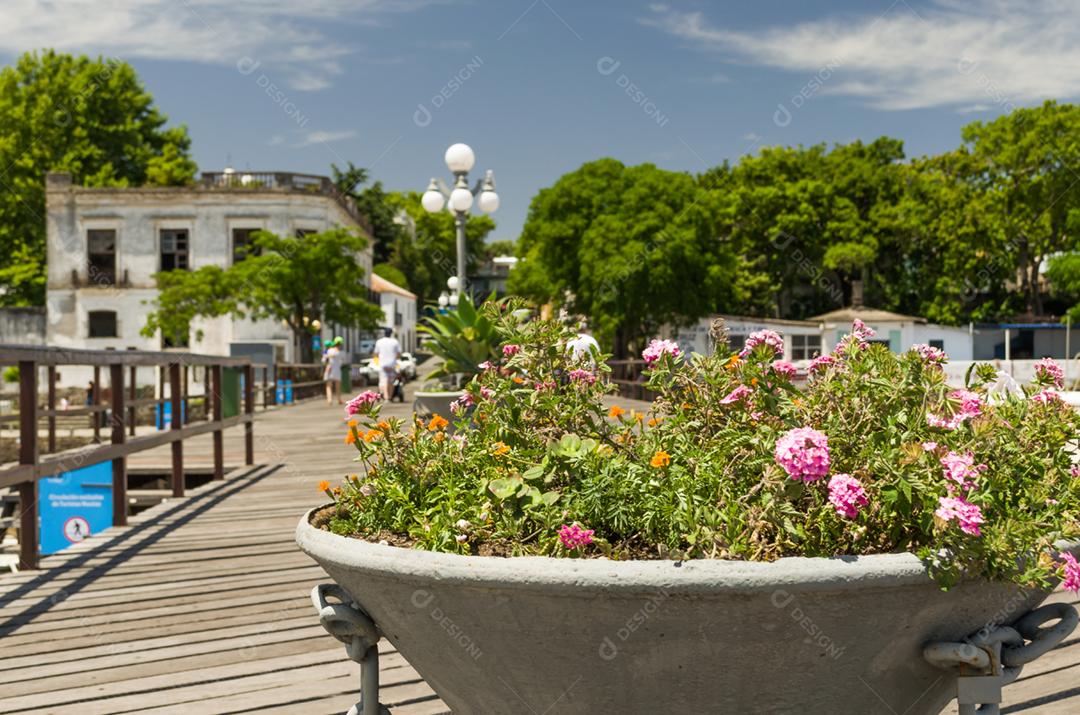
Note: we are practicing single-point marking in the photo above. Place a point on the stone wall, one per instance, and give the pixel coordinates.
(22, 326)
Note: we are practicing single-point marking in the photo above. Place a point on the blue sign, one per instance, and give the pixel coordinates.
(73, 505)
(284, 392)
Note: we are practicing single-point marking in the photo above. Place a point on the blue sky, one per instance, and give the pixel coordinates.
(537, 87)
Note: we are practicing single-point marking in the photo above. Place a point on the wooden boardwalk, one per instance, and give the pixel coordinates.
(202, 605)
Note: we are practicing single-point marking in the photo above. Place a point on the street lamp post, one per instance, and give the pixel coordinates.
(460, 160)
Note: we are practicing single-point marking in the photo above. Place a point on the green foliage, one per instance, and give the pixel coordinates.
(374, 203)
(535, 448)
(91, 118)
(463, 337)
(11, 374)
(390, 273)
(295, 280)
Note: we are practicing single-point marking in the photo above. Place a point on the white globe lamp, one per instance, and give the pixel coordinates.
(488, 202)
(432, 200)
(461, 200)
(460, 158)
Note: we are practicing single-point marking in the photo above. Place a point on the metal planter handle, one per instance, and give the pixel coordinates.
(993, 658)
(347, 622)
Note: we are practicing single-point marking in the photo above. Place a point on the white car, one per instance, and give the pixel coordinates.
(406, 365)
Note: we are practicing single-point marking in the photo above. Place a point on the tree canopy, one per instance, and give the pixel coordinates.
(963, 235)
(91, 118)
(295, 280)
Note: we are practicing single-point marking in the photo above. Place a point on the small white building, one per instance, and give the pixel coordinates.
(898, 332)
(802, 338)
(399, 310)
(106, 244)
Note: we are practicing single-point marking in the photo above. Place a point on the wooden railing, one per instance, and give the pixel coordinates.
(626, 374)
(121, 411)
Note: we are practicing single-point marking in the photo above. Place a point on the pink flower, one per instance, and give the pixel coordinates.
(971, 405)
(1046, 370)
(860, 330)
(739, 394)
(486, 365)
(362, 402)
(821, 362)
(969, 515)
(1071, 572)
(929, 446)
(846, 494)
(458, 406)
(961, 469)
(657, 349)
(486, 392)
(930, 355)
(573, 536)
(763, 337)
(1074, 471)
(803, 453)
(511, 350)
(784, 369)
(585, 376)
(1046, 397)
(545, 385)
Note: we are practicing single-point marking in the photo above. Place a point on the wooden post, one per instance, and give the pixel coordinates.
(95, 400)
(177, 446)
(184, 416)
(219, 446)
(119, 465)
(266, 380)
(249, 410)
(132, 396)
(28, 454)
(273, 383)
(52, 408)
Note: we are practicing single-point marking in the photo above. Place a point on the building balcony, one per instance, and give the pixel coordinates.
(285, 181)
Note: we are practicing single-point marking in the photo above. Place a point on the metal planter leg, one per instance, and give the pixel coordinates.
(347, 622)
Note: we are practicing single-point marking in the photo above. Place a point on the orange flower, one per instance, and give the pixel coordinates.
(437, 423)
(372, 435)
(440, 436)
(519, 379)
(733, 362)
(500, 449)
(660, 460)
(653, 422)
(384, 426)
(753, 381)
(350, 438)
(616, 412)
(351, 423)
(687, 406)
(324, 485)
(639, 416)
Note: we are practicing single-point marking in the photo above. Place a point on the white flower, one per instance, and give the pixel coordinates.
(1003, 388)
(462, 525)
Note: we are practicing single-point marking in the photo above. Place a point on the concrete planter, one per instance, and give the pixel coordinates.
(435, 402)
(532, 635)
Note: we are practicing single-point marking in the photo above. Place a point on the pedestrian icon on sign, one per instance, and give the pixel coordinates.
(76, 529)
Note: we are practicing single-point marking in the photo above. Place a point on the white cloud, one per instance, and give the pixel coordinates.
(323, 137)
(952, 53)
(715, 78)
(282, 36)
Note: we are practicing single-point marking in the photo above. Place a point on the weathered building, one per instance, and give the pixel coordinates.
(106, 244)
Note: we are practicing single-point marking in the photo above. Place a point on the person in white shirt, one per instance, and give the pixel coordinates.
(333, 358)
(387, 351)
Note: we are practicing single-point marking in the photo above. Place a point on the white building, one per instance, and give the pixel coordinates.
(802, 338)
(106, 244)
(898, 332)
(399, 311)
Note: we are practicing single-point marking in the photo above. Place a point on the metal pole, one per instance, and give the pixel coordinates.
(369, 681)
(459, 221)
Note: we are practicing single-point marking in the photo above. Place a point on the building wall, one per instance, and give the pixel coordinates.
(394, 304)
(695, 338)
(138, 216)
(22, 326)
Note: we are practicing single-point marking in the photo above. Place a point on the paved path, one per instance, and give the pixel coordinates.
(201, 605)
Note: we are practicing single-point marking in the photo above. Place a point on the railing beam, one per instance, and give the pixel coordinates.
(176, 397)
(119, 465)
(28, 454)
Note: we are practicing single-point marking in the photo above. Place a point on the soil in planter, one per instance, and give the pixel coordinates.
(496, 547)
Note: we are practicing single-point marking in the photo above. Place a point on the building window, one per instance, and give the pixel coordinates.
(101, 256)
(939, 344)
(174, 249)
(241, 244)
(804, 347)
(103, 324)
(302, 232)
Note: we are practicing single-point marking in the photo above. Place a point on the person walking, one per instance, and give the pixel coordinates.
(387, 352)
(333, 358)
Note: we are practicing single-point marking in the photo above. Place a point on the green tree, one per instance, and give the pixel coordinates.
(374, 203)
(295, 280)
(632, 248)
(91, 118)
(390, 273)
(1026, 163)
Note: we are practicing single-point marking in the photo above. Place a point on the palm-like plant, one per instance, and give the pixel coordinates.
(463, 338)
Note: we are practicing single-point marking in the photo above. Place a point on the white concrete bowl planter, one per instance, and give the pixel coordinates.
(435, 402)
(542, 635)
